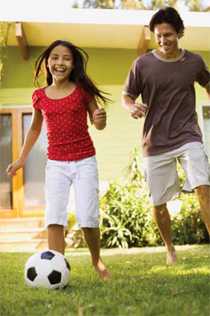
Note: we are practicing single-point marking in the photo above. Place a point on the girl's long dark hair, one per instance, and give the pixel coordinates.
(78, 74)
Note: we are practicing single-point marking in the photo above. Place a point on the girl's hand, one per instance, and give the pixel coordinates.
(99, 118)
(13, 167)
(138, 110)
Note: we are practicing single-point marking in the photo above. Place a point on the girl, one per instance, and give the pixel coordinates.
(63, 104)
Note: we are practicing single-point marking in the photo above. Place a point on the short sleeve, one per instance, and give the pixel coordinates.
(36, 100)
(133, 83)
(203, 76)
(87, 97)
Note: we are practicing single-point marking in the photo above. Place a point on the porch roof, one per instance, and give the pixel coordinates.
(47, 20)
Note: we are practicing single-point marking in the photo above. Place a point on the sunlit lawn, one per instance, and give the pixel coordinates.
(141, 285)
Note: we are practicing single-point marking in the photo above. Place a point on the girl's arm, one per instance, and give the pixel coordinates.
(97, 116)
(31, 137)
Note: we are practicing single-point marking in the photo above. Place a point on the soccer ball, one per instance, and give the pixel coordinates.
(48, 269)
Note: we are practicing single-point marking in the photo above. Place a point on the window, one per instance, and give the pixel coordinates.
(5, 158)
(34, 170)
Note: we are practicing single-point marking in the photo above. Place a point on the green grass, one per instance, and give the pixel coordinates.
(141, 285)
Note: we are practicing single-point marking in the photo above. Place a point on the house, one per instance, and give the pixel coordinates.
(112, 39)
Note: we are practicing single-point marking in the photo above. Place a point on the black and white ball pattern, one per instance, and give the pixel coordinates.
(48, 269)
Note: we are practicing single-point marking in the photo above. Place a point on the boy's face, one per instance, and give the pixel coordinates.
(166, 38)
(60, 63)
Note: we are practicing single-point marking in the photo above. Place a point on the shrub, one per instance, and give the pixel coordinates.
(125, 208)
(187, 226)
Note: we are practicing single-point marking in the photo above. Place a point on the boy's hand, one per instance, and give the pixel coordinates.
(138, 110)
(13, 167)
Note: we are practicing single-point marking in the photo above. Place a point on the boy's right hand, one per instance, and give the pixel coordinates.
(13, 167)
(138, 110)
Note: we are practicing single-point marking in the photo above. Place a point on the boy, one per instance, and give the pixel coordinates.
(165, 80)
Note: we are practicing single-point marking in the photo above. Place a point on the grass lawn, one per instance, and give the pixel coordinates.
(141, 285)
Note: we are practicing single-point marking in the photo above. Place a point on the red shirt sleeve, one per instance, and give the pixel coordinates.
(36, 100)
(86, 97)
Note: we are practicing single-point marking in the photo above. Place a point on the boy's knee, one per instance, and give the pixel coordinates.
(203, 189)
(160, 208)
(55, 226)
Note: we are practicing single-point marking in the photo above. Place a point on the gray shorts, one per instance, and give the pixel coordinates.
(161, 171)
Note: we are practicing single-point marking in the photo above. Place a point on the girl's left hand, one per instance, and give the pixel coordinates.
(99, 115)
(99, 118)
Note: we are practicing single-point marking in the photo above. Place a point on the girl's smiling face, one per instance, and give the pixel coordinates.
(60, 63)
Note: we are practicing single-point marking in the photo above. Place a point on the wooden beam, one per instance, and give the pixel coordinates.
(144, 40)
(21, 40)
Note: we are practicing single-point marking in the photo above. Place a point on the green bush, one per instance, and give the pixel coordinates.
(126, 218)
(187, 226)
(125, 208)
(127, 214)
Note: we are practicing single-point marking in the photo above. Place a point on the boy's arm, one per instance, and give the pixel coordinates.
(127, 102)
(97, 115)
(31, 138)
(136, 110)
(207, 87)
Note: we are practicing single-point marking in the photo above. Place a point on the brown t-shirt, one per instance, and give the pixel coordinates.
(167, 87)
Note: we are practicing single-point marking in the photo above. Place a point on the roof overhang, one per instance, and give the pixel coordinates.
(45, 21)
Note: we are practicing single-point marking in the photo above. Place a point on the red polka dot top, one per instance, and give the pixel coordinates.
(66, 122)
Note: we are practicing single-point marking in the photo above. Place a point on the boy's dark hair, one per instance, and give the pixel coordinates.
(167, 15)
(78, 74)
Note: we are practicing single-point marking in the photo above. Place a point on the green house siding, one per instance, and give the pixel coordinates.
(105, 66)
(108, 68)
(15, 96)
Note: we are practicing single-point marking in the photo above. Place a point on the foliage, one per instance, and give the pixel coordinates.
(192, 5)
(4, 29)
(74, 237)
(187, 226)
(127, 219)
(198, 5)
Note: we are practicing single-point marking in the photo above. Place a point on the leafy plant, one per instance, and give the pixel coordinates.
(126, 215)
(4, 29)
(73, 235)
(187, 226)
(191, 5)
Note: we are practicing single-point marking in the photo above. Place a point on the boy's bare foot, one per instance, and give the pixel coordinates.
(171, 257)
(102, 271)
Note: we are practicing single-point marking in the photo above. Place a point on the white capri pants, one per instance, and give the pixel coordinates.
(161, 171)
(60, 175)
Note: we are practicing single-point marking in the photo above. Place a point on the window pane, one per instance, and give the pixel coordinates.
(5, 159)
(34, 170)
